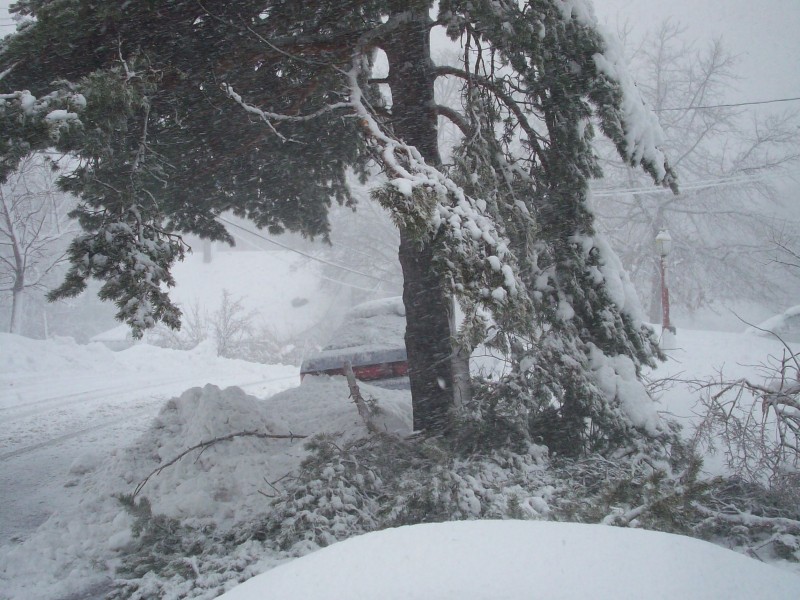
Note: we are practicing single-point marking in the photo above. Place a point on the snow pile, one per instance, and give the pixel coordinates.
(20, 355)
(24, 358)
(786, 325)
(217, 486)
(220, 484)
(483, 560)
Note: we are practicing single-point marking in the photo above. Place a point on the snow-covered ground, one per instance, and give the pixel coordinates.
(81, 424)
(520, 560)
(67, 408)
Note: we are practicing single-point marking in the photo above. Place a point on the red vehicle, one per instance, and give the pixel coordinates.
(372, 340)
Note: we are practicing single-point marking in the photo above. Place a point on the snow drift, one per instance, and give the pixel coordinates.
(520, 560)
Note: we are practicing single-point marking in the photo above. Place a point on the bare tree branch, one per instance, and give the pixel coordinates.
(203, 445)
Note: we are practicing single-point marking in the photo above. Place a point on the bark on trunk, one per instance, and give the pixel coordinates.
(428, 337)
(17, 302)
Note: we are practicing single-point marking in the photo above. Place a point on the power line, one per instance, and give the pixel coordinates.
(309, 256)
(323, 277)
(689, 186)
(732, 105)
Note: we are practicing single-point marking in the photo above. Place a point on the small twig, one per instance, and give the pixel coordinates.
(272, 483)
(203, 445)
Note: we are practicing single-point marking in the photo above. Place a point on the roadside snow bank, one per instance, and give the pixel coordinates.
(23, 356)
(217, 486)
(483, 560)
(220, 484)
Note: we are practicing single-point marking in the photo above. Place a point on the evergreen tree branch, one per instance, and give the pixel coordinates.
(268, 117)
(509, 102)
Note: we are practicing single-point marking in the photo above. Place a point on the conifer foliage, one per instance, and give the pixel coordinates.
(178, 111)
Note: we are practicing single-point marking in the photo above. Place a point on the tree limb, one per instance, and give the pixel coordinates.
(506, 99)
(203, 445)
(456, 118)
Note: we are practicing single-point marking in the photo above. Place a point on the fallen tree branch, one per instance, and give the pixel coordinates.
(207, 443)
(355, 394)
(744, 518)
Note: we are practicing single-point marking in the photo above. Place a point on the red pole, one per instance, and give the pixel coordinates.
(665, 324)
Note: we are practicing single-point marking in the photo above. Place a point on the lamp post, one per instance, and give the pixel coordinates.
(663, 247)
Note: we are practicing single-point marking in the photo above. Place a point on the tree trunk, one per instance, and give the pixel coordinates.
(414, 120)
(427, 337)
(17, 305)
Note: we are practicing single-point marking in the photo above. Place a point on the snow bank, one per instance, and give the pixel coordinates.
(23, 358)
(786, 325)
(486, 560)
(20, 355)
(221, 484)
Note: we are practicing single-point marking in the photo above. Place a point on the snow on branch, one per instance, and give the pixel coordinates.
(423, 193)
(58, 109)
(631, 123)
(269, 117)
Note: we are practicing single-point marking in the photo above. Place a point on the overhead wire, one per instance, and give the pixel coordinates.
(692, 185)
(283, 260)
(730, 105)
(305, 254)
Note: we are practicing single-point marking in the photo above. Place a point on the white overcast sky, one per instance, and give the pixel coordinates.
(765, 33)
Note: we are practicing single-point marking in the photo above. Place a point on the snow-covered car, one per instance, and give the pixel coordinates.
(372, 339)
(785, 325)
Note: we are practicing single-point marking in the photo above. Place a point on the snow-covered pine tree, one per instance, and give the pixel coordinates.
(261, 106)
(575, 362)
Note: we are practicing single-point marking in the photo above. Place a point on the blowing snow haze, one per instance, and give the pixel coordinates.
(383, 279)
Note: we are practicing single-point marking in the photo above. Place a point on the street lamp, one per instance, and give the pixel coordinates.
(663, 247)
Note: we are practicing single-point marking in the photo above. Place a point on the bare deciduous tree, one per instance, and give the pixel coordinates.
(33, 229)
(755, 424)
(728, 159)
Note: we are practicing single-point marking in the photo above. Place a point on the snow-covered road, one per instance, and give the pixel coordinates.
(59, 415)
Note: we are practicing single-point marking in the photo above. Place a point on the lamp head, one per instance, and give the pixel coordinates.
(663, 243)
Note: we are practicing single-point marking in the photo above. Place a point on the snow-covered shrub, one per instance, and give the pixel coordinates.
(193, 331)
(384, 481)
